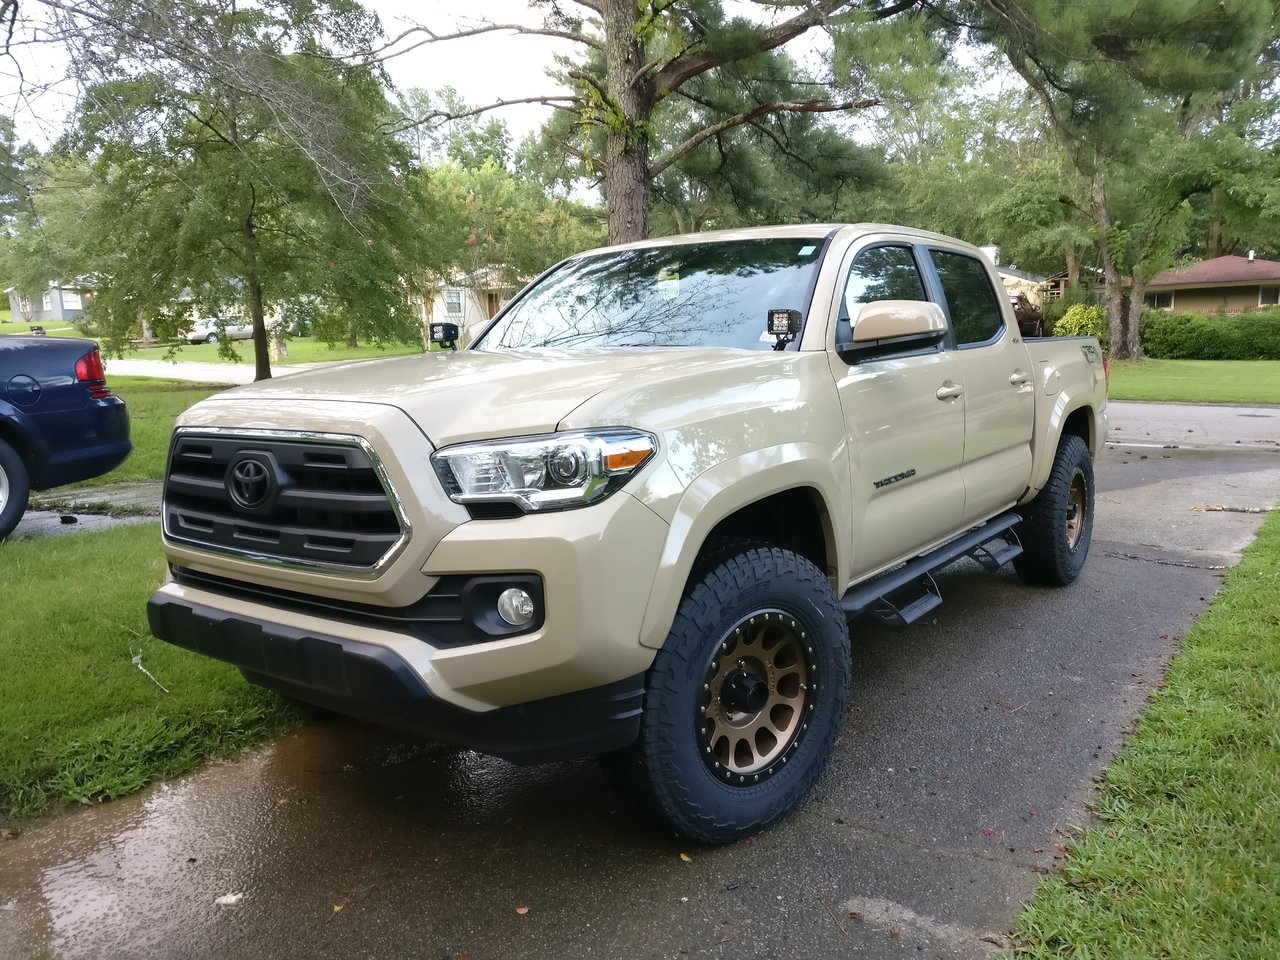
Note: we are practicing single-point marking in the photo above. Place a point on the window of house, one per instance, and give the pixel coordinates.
(71, 300)
(46, 303)
(453, 302)
(1160, 301)
(971, 301)
(1269, 297)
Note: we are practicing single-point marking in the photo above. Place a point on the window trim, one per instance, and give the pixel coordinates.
(1262, 304)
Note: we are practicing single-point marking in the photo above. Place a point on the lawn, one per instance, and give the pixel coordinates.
(301, 350)
(1187, 863)
(82, 721)
(1196, 381)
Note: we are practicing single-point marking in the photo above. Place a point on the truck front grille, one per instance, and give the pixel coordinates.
(310, 500)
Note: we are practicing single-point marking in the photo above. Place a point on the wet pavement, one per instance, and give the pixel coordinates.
(970, 752)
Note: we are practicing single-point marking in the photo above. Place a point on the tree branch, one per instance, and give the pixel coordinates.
(381, 54)
(747, 116)
(692, 63)
(550, 101)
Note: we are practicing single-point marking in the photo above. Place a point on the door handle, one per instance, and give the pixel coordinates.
(949, 391)
(1018, 378)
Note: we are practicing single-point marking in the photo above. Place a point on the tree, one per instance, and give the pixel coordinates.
(1122, 84)
(642, 59)
(215, 196)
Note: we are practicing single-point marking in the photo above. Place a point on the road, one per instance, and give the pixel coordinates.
(969, 755)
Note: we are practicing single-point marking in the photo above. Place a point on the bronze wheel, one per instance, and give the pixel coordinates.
(755, 703)
(1075, 510)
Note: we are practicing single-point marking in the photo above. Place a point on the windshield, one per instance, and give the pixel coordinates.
(693, 295)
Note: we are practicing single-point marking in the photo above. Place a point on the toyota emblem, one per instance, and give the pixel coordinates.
(249, 483)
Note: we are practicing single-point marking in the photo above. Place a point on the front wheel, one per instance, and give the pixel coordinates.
(212, 338)
(15, 487)
(1058, 525)
(745, 700)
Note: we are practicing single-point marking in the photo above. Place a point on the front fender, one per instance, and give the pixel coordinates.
(721, 491)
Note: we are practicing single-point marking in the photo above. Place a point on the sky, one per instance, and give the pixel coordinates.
(483, 69)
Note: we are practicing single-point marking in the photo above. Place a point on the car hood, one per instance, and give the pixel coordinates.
(475, 395)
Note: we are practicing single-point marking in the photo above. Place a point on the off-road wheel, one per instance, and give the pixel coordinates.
(1058, 523)
(15, 487)
(745, 700)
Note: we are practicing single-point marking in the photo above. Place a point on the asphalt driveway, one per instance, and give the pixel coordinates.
(969, 755)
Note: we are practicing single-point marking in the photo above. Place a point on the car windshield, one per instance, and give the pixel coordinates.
(716, 294)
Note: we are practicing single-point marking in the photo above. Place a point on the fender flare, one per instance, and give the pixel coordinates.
(723, 490)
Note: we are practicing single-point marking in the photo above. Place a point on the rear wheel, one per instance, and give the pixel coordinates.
(1058, 525)
(745, 700)
(212, 338)
(15, 487)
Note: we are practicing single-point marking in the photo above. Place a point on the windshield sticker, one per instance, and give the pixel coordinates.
(767, 337)
(806, 251)
(669, 283)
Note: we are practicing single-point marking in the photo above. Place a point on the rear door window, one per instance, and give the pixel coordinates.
(971, 300)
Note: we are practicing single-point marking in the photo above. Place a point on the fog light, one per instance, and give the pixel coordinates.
(515, 606)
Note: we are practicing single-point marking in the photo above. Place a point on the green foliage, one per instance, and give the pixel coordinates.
(1074, 294)
(1083, 321)
(1184, 864)
(1193, 336)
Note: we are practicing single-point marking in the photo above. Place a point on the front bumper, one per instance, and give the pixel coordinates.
(371, 683)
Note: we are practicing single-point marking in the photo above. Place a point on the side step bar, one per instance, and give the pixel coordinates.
(993, 545)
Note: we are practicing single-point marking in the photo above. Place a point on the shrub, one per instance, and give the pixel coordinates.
(1074, 294)
(1196, 336)
(1083, 321)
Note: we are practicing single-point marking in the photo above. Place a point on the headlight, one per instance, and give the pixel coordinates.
(553, 472)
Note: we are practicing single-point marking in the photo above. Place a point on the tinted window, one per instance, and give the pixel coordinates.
(882, 273)
(975, 312)
(701, 294)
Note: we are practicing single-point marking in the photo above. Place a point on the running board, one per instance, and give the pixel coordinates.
(993, 545)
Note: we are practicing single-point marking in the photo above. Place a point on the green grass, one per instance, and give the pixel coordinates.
(82, 723)
(1196, 381)
(301, 350)
(153, 406)
(1187, 864)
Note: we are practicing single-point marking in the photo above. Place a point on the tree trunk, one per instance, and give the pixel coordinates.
(253, 284)
(1137, 293)
(1073, 265)
(1123, 341)
(627, 116)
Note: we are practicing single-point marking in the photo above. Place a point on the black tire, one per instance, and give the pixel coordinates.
(212, 338)
(762, 622)
(1058, 524)
(15, 488)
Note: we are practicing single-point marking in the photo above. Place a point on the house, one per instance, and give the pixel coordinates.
(61, 301)
(1015, 280)
(1219, 285)
(470, 301)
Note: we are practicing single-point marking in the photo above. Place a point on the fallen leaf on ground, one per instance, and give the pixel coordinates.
(7, 834)
(854, 915)
(686, 858)
(522, 910)
(895, 931)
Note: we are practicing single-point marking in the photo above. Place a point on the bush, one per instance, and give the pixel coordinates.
(1084, 321)
(1074, 294)
(1196, 336)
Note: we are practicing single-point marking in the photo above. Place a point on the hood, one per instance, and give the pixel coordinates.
(476, 395)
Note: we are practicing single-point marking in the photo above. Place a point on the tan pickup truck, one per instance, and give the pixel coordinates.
(634, 518)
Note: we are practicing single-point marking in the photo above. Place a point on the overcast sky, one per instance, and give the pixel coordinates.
(483, 69)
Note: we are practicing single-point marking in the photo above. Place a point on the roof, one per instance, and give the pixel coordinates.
(1220, 271)
(1019, 274)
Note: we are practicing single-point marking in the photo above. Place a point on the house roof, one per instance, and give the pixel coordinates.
(1019, 274)
(1220, 271)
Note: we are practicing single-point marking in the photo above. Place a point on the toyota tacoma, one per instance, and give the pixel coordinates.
(634, 518)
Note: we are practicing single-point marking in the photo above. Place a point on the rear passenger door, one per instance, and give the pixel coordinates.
(903, 416)
(998, 385)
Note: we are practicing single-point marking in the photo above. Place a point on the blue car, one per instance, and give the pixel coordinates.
(59, 421)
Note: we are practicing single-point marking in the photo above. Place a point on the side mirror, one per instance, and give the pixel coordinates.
(893, 326)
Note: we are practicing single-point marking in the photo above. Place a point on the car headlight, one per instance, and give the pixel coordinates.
(552, 472)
